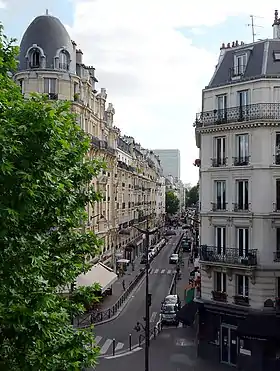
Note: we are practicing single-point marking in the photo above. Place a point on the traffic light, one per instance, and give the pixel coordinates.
(149, 298)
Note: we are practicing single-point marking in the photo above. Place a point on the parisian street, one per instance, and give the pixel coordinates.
(173, 350)
(119, 329)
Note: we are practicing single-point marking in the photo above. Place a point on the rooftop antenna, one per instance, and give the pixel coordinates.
(253, 26)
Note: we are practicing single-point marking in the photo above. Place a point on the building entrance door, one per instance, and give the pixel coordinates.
(229, 345)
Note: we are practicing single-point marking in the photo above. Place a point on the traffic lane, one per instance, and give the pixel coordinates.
(172, 350)
(163, 258)
(120, 328)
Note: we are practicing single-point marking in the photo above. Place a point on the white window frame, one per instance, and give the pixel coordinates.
(50, 80)
(223, 241)
(244, 247)
(221, 279)
(222, 154)
(242, 147)
(223, 188)
(245, 280)
(244, 181)
(240, 62)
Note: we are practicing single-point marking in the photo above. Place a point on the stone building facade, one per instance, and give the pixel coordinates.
(50, 63)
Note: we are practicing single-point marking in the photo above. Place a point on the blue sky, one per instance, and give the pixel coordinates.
(153, 56)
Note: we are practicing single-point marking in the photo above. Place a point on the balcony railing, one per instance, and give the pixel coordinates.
(241, 207)
(219, 206)
(53, 96)
(277, 159)
(219, 296)
(241, 300)
(252, 112)
(95, 142)
(217, 162)
(276, 256)
(237, 71)
(232, 256)
(241, 160)
(276, 207)
(64, 66)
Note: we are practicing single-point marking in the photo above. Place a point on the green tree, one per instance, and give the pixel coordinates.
(192, 196)
(171, 203)
(45, 179)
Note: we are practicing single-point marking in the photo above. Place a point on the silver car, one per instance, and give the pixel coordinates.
(168, 314)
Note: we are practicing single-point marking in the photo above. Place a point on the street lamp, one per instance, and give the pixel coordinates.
(147, 234)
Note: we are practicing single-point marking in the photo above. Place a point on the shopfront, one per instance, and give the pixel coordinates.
(243, 340)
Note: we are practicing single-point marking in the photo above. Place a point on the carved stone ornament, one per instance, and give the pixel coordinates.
(252, 276)
(229, 273)
(208, 269)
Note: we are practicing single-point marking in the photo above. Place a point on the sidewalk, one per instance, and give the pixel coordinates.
(117, 287)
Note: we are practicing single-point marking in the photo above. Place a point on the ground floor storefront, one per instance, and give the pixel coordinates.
(241, 339)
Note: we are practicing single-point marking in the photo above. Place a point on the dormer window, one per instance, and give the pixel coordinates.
(35, 58)
(240, 62)
(63, 61)
(276, 56)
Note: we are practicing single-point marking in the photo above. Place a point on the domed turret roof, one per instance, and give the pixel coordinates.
(48, 33)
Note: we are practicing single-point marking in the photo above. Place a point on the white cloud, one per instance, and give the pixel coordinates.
(153, 73)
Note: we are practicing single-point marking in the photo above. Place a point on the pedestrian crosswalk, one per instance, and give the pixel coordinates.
(162, 271)
(106, 345)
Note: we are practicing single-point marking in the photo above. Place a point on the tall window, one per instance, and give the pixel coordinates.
(242, 285)
(277, 252)
(243, 98)
(222, 106)
(242, 195)
(35, 57)
(277, 149)
(242, 150)
(50, 87)
(220, 239)
(277, 195)
(220, 189)
(219, 151)
(63, 61)
(240, 62)
(220, 282)
(243, 241)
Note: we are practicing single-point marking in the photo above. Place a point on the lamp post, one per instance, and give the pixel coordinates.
(147, 234)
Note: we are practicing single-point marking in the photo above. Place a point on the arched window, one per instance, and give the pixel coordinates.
(63, 61)
(35, 58)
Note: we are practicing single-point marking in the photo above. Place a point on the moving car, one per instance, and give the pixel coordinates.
(169, 314)
(170, 232)
(172, 299)
(173, 259)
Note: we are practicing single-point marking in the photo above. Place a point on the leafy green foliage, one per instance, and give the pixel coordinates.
(192, 196)
(87, 295)
(171, 203)
(45, 184)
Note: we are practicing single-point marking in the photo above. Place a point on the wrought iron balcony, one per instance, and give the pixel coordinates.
(219, 296)
(219, 206)
(277, 159)
(241, 300)
(241, 207)
(217, 162)
(53, 96)
(95, 142)
(276, 256)
(230, 256)
(252, 112)
(64, 66)
(241, 160)
(237, 71)
(276, 206)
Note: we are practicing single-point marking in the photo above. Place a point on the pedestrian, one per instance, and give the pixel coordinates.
(132, 266)
(123, 285)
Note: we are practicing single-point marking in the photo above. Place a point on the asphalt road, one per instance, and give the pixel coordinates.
(173, 350)
(120, 328)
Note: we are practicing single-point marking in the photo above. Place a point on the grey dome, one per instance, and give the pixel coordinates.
(49, 34)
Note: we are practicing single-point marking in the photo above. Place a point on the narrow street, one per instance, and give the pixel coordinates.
(120, 328)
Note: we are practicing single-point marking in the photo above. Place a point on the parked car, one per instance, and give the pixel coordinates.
(152, 251)
(169, 314)
(173, 259)
(170, 232)
(172, 299)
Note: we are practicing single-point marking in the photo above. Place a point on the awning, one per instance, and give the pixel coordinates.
(187, 313)
(99, 273)
(260, 326)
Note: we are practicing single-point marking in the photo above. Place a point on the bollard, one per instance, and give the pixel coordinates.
(130, 342)
(114, 346)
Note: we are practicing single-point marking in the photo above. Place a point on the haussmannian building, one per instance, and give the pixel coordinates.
(132, 184)
(238, 134)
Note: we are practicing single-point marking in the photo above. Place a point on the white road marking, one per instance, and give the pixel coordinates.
(119, 346)
(151, 271)
(156, 271)
(162, 271)
(106, 346)
(169, 271)
(97, 339)
(153, 317)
